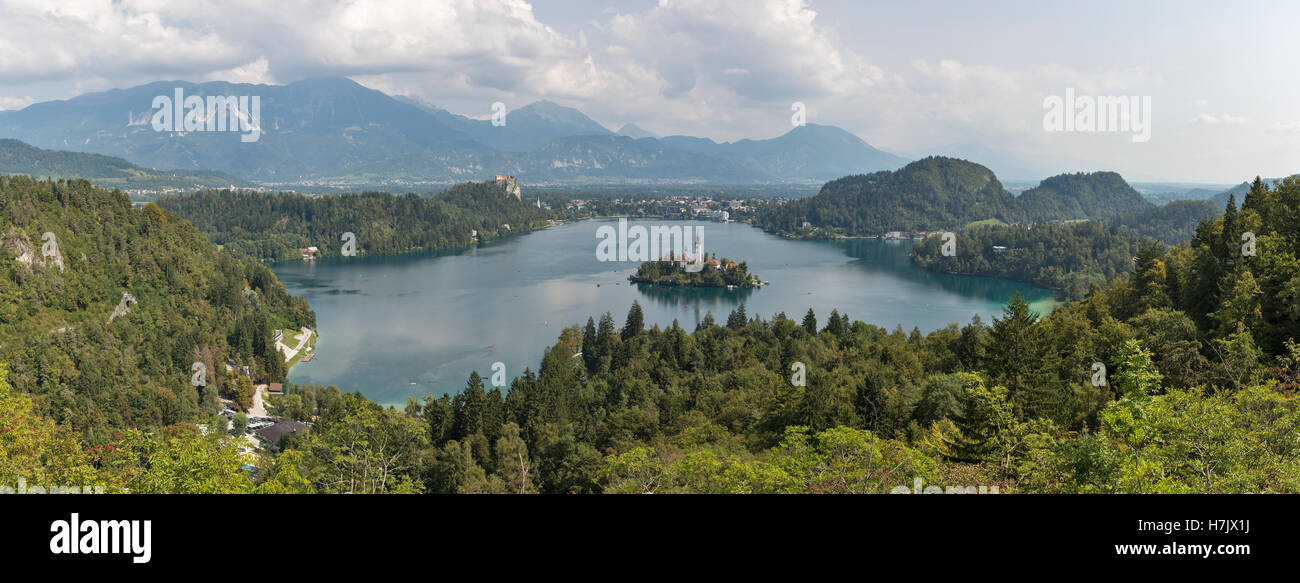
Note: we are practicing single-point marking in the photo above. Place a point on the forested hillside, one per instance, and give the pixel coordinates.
(1068, 257)
(1044, 243)
(1097, 195)
(1173, 223)
(945, 194)
(273, 226)
(1181, 377)
(934, 193)
(104, 308)
(19, 158)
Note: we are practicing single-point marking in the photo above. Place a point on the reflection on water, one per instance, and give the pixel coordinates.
(399, 326)
(891, 256)
(711, 299)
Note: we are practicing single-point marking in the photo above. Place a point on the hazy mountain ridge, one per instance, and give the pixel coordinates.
(315, 126)
(632, 130)
(108, 171)
(334, 128)
(1238, 192)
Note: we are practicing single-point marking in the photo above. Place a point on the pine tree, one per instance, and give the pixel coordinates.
(589, 356)
(468, 407)
(1149, 280)
(834, 325)
(1202, 292)
(1016, 359)
(982, 412)
(635, 322)
(969, 348)
(810, 322)
(606, 342)
(275, 368)
(737, 319)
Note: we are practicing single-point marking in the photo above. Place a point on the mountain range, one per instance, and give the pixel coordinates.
(336, 129)
(632, 130)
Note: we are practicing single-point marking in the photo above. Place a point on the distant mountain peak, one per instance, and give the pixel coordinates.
(553, 111)
(632, 130)
(328, 81)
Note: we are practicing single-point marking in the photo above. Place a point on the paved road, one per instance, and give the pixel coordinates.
(259, 406)
(289, 353)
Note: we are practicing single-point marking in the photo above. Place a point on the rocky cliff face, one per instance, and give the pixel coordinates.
(512, 187)
(33, 256)
(123, 307)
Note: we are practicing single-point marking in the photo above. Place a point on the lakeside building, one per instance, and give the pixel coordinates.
(273, 435)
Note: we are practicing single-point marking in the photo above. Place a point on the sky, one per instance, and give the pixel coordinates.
(909, 77)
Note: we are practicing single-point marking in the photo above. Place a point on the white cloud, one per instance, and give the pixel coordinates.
(785, 55)
(47, 40)
(953, 101)
(1206, 119)
(257, 71)
(14, 102)
(723, 68)
(1291, 126)
(495, 43)
(729, 68)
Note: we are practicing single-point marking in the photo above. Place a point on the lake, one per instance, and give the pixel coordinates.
(409, 325)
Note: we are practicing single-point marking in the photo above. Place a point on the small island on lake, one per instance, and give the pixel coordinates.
(715, 273)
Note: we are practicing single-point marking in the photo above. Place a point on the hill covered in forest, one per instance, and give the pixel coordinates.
(107, 171)
(105, 308)
(1177, 377)
(948, 194)
(933, 193)
(1180, 377)
(1096, 195)
(1173, 223)
(1070, 258)
(274, 226)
